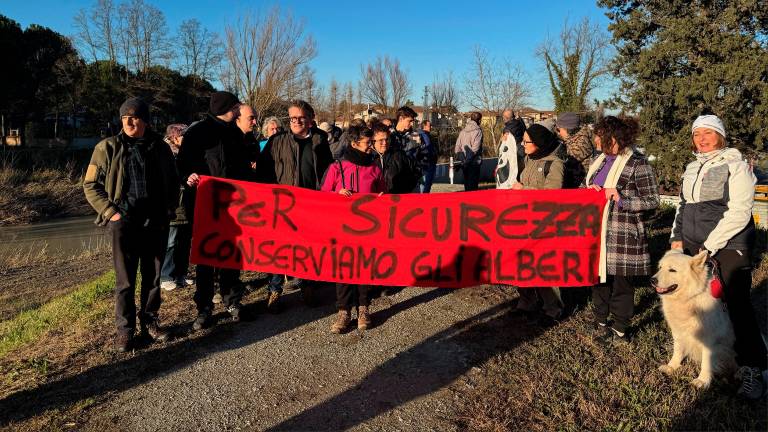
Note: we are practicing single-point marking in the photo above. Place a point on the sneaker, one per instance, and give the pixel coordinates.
(752, 384)
(273, 304)
(234, 311)
(182, 282)
(154, 331)
(363, 318)
(168, 285)
(342, 321)
(608, 336)
(217, 298)
(124, 342)
(202, 321)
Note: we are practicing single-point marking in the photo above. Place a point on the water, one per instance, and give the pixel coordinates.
(62, 237)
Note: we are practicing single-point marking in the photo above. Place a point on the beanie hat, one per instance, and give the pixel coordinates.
(135, 107)
(175, 130)
(326, 127)
(710, 122)
(567, 120)
(544, 139)
(222, 102)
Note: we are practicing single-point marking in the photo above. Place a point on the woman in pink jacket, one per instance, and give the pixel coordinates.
(355, 172)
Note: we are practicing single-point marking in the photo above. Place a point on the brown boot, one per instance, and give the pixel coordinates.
(342, 321)
(363, 318)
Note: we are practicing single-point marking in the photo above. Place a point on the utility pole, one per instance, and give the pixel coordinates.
(426, 106)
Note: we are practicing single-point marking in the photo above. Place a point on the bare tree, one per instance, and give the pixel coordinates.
(333, 99)
(445, 94)
(491, 86)
(95, 30)
(143, 35)
(398, 82)
(385, 83)
(201, 49)
(373, 83)
(349, 93)
(575, 63)
(264, 58)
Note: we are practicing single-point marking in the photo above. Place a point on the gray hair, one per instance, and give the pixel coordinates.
(266, 123)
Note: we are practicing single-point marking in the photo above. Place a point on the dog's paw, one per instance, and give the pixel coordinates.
(667, 370)
(700, 384)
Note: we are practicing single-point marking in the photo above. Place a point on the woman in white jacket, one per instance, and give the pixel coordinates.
(715, 214)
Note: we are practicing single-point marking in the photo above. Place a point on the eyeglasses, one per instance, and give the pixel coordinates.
(529, 142)
(297, 119)
(381, 141)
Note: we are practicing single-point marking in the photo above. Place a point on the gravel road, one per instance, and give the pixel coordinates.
(287, 372)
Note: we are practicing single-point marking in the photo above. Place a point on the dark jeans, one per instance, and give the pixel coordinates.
(230, 288)
(736, 271)
(349, 296)
(425, 183)
(176, 262)
(471, 176)
(134, 247)
(276, 282)
(616, 297)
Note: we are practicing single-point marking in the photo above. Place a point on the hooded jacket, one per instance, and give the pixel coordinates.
(470, 142)
(716, 199)
(545, 172)
(356, 171)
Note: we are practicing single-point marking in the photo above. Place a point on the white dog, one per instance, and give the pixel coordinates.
(701, 329)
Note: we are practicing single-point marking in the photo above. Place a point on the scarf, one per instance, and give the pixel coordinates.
(610, 182)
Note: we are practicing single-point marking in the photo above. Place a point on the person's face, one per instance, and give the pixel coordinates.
(563, 132)
(380, 142)
(528, 146)
(705, 140)
(609, 150)
(363, 144)
(387, 122)
(247, 119)
(506, 116)
(271, 129)
(404, 123)
(134, 127)
(177, 140)
(426, 127)
(299, 121)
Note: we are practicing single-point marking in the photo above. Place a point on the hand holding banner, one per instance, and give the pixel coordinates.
(522, 238)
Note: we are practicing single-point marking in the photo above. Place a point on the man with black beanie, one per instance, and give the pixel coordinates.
(214, 147)
(131, 183)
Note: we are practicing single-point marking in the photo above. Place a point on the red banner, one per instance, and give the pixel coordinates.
(521, 238)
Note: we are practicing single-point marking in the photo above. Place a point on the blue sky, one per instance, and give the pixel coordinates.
(427, 37)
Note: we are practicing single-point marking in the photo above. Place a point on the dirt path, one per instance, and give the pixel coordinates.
(287, 372)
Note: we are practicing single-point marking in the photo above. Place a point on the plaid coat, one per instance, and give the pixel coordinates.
(627, 239)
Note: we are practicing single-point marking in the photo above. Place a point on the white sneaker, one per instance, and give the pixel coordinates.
(168, 285)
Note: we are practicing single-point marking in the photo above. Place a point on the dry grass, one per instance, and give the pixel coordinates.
(34, 187)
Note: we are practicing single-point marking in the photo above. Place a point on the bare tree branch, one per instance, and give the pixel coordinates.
(201, 49)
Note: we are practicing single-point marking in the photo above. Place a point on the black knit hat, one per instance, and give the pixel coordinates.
(545, 140)
(222, 102)
(135, 107)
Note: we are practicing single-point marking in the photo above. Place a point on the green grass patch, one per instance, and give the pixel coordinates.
(29, 325)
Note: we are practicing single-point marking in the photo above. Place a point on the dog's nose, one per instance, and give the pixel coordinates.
(654, 281)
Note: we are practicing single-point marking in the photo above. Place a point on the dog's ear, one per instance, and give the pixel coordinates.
(698, 261)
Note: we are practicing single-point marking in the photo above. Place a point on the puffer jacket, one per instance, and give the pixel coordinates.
(279, 161)
(105, 177)
(535, 174)
(716, 199)
(355, 171)
(470, 142)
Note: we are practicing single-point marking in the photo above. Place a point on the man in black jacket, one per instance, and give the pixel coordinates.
(214, 147)
(297, 157)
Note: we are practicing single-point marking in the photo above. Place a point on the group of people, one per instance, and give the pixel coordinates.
(143, 188)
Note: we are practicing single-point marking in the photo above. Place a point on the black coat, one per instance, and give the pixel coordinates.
(215, 148)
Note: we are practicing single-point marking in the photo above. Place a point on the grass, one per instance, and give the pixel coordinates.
(29, 326)
(564, 380)
(40, 184)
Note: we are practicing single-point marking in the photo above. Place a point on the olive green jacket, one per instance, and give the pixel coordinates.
(535, 175)
(104, 178)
